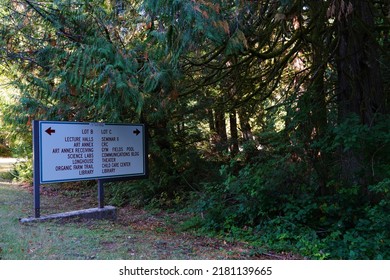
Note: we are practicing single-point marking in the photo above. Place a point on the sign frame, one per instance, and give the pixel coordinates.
(38, 158)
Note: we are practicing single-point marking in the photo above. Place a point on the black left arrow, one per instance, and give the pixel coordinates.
(50, 131)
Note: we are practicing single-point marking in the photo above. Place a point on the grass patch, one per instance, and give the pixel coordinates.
(137, 234)
(72, 239)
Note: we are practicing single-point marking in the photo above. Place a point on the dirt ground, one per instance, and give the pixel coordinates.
(159, 231)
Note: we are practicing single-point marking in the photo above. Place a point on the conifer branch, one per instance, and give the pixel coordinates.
(60, 30)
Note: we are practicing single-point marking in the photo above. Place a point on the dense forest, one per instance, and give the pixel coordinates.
(268, 120)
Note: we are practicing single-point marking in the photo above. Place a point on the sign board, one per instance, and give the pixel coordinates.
(73, 151)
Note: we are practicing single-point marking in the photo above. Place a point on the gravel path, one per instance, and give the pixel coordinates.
(7, 163)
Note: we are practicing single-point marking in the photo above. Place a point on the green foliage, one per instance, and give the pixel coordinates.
(275, 200)
(5, 151)
(372, 143)
(259, 191)
(22, 171)
(370, 238)
(122, 193)
(306, 176)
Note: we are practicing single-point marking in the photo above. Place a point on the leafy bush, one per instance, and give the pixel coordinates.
(5, 151)
(273, 199)
(121, 193)
(370, 237)
(23, 171)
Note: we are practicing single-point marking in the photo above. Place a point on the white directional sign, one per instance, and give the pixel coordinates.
(70, 151)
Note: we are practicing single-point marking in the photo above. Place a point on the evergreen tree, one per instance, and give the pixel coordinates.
(277, 111)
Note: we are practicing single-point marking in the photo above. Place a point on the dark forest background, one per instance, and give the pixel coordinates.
(268, 120)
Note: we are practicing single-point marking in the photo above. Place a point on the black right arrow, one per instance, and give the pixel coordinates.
(50, 131)
(136, 132)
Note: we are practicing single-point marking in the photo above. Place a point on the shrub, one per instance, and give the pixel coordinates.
(5, 151)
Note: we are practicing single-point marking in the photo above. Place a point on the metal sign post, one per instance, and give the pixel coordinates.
(36, 173)
(100, 193)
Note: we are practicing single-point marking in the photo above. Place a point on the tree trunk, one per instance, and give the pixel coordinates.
(360, 88)
(210, 117)
(317, 92)
(162, 157)
(233, 133)
(245, 127)
(221, 140)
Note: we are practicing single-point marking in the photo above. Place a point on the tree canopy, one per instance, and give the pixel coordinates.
(270, 117)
